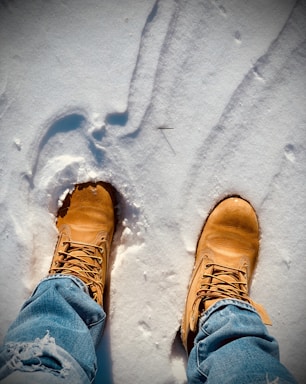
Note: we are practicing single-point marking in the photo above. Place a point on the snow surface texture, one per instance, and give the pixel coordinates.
(86, 90)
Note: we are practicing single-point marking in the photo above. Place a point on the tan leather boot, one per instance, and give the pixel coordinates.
(86, 225)
(224, 264)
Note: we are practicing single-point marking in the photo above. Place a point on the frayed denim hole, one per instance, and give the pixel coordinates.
(39, 355)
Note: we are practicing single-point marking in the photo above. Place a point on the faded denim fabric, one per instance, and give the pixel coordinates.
(233, 346)
(54, 337)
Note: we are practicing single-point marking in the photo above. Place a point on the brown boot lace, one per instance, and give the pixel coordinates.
(220, 282)
(83, 261)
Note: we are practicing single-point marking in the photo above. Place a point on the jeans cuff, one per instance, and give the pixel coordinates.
(78, 282)
(222, 303)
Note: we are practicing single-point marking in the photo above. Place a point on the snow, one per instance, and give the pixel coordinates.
(177, 104)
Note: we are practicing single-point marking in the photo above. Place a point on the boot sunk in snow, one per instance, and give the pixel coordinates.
(224, 264)
(86, 225)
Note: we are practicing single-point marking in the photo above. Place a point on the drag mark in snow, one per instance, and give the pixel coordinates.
(118, 118)
(254, 96)
(58, 165)
(154, 40)
(121, 118)
(62, 125)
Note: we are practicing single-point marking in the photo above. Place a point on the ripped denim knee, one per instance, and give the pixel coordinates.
(41, 355)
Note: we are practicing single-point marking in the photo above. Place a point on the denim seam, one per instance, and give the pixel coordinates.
(199, 364)
(97, 322)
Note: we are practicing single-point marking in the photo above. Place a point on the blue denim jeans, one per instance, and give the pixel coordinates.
(234, 346)
(54, 337)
